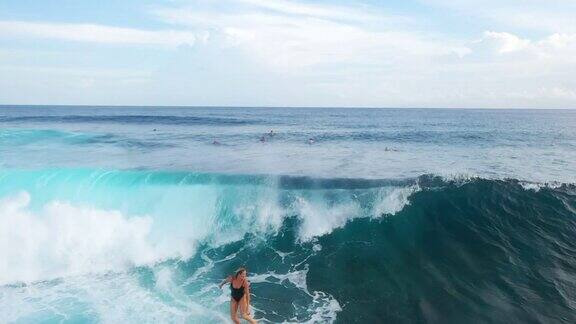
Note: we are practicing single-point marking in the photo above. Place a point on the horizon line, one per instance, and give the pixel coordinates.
(274, 107)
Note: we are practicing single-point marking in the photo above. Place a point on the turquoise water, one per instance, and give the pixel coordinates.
(406, 216)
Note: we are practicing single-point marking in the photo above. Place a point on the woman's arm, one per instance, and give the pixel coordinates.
(228, 279)
(247, 297)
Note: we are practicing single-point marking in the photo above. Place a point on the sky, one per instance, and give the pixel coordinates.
(280, 53)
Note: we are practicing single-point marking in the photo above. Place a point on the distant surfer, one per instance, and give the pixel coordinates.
(216, 142)
(240, 293)
(271, 133)
(262, 139)
(310, 141)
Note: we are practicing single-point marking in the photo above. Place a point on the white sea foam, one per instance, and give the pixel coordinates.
(319, 217)
(66, 240)
(531, 186)
(461, 179)
(323, 307)
(110, 298)
(392, 200)
(536, 186)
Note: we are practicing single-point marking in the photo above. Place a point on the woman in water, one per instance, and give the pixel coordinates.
(240, 291)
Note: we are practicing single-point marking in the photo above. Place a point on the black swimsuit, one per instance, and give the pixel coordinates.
(237, 293)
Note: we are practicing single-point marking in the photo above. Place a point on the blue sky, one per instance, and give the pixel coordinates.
(415, 53)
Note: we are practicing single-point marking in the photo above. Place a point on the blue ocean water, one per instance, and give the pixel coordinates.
(134, 214)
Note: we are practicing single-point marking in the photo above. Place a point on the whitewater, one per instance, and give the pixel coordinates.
(134, 214)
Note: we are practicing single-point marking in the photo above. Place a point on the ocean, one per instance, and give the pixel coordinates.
(135, 214)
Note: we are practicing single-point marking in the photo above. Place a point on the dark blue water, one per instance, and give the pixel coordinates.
(134, 214)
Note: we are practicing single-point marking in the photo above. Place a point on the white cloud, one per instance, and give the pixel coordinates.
(292, 35)
(549, 16)
(506, 42)
(312, 10)
(95, 33)
(559, 41)
(497, 45)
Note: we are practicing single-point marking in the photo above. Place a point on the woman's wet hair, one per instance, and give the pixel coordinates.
(239, 271)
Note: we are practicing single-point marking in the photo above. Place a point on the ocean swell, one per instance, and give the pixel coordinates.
(318, 250)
